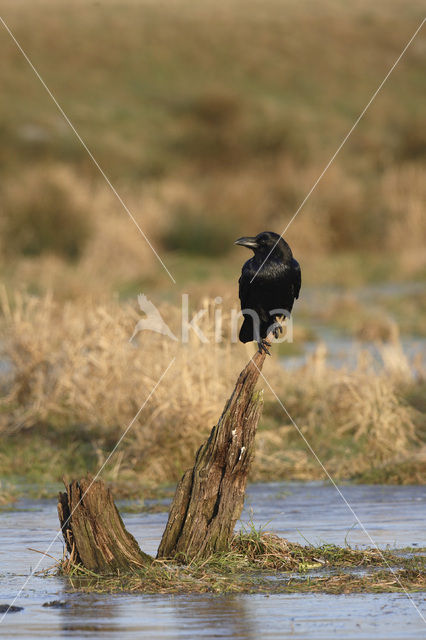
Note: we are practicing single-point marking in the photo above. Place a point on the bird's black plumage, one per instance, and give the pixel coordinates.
(269, 283)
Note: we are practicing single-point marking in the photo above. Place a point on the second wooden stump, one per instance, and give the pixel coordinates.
(210, 496)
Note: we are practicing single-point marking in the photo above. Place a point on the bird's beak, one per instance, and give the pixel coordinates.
(247, 242)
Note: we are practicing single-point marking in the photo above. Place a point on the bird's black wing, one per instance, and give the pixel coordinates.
(249, 301)
(243, 289)
(296, 277)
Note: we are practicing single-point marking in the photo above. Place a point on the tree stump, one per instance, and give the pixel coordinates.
(210, 496)
(208, 500)
(93, 530)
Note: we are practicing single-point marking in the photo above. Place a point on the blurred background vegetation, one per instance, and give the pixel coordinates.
(213, 120)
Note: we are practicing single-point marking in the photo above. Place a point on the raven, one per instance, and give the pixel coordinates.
(269, 283)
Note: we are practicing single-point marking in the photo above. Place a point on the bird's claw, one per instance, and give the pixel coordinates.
(277, 329)
(263, 346)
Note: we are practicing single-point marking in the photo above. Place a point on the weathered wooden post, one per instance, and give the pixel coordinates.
(210, 496)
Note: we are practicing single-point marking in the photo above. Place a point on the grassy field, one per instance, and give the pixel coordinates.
(212, 121)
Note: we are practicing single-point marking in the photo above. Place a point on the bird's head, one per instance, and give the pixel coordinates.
(266, 243)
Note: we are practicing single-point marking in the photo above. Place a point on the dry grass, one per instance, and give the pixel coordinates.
(75, 373)
(74, 365)
(264, 550)
(354, 420)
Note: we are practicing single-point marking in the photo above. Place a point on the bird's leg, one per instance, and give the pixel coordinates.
(263, 346)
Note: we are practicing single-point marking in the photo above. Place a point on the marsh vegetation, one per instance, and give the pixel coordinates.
(261, 562)
(75, 383)
(208, 124)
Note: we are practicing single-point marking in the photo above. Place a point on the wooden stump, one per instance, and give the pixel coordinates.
(93, 530)
(208, 500)
(210, 496)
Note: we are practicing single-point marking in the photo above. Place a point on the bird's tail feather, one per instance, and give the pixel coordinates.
(248, 332)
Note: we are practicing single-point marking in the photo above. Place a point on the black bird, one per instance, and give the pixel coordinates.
(267, 287)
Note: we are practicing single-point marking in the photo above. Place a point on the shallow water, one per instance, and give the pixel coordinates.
(343, 351)
(393, 516)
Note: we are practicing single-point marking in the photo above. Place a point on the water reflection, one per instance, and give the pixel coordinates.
(89, 615)
(215, 616)
(162, 616)
(241, 617)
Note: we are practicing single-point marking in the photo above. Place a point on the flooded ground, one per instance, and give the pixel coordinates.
(394, 516)
(341, 348)
(342, 351)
